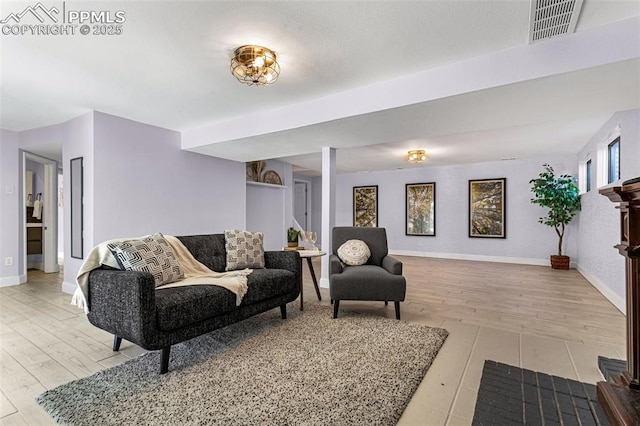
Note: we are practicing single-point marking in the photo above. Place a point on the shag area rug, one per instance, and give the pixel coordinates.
(306, 370)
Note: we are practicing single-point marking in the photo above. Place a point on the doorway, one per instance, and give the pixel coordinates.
(301, 203)
(40, 219)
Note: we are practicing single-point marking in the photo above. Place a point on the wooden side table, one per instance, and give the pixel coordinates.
(310, 254)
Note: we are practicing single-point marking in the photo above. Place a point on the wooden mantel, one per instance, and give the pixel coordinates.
(620, 396)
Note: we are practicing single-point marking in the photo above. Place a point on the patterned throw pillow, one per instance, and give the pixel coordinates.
(244, 249)
(151, 254)
(354, 252)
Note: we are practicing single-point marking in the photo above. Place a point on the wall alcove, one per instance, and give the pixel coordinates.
(266, 212)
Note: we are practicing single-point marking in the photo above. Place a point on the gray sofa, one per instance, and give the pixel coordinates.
(127, 304)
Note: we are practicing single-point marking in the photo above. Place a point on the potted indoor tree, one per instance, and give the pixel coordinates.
(560, 195)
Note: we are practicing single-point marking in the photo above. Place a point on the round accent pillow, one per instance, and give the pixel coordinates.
(354, 252)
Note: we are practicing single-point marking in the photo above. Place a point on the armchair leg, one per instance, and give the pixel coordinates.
(164, 359)
(283, 311)
(116, 343)
(397, 310)
(335, 308)
(386, 302)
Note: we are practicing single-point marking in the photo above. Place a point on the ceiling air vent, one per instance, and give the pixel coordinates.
(552, 18)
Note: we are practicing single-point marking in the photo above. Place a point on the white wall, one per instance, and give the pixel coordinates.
(77, 140)
(269, 209)
(266, 214)
(137, 181)
(144, 183)
(526, 241)
(285, 170)
(599, 224)
(10, 209)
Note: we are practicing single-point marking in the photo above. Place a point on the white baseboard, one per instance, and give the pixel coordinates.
(68, 287)
(9, 281)
(498, 259)
(35, 265)
(617, 301)
(324, 282)
(476, 257)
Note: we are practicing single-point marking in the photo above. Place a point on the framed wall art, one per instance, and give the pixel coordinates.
(420, 205)
(487, 207)
(365, 206)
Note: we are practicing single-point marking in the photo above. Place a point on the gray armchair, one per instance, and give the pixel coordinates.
(379, 279)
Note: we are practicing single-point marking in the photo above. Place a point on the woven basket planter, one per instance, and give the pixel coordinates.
(560, 262)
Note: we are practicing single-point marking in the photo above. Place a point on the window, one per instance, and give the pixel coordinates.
(584, 175)
(613, 157)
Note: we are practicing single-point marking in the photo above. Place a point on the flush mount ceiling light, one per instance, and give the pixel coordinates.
(255, 65)
(416, 156)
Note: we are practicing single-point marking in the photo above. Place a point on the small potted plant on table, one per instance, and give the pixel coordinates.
(292, 237)
(561, 196)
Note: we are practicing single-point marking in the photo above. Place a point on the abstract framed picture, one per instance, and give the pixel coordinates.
(487, 208)
(365, 206)
(420, 205)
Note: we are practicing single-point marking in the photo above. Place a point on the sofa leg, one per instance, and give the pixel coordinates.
(397, 310)
(335, 308)
(283, 311)
(116, 343)
(164, 359)
(386, 302)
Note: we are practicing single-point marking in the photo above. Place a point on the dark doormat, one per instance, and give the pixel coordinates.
(511, 396)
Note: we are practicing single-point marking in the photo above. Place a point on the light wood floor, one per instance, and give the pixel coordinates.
(529, 316)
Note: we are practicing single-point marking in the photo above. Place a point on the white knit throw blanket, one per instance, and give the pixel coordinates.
(195, 273)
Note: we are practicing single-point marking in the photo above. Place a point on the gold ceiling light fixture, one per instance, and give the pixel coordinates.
(417, 156)
(255, 65)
